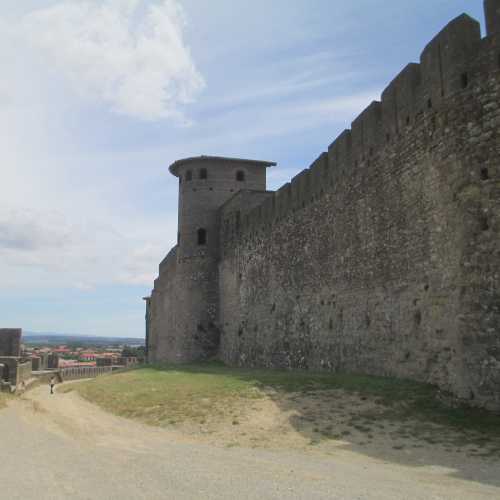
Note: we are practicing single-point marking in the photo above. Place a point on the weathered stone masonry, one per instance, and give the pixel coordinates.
(384, 256)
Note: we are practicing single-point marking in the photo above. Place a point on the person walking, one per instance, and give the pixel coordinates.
(52, 384)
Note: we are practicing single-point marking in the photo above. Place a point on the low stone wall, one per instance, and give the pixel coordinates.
(14, 372)
(23, 373)
(40, 362)
(77, 372)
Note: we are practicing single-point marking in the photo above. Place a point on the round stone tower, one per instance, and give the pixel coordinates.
(186, 294)
(205, 184)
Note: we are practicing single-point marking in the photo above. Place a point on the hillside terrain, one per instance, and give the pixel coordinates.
(264, 408)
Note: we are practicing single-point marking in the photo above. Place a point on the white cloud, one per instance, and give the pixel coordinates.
(22, 231)
(285, 118)
(134, 60)
(81, 253)
(66, 215)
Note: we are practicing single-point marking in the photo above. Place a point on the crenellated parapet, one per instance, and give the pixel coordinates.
(412, 104)
(492, 14)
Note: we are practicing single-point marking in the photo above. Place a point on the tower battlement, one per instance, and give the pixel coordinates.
(492, 15)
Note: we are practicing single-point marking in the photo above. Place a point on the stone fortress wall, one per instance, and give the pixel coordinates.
(384, 256)
(10, 341)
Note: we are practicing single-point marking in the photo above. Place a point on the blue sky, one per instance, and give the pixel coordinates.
(100, 96)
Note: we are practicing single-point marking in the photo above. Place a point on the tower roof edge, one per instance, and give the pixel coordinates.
(194, 159)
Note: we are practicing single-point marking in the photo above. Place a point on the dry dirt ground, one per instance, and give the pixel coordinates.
(61, 446)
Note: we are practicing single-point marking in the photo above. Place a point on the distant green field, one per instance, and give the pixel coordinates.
(163, 395)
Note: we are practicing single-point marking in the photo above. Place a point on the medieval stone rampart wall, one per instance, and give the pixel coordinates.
(183, 308)
(384, 256)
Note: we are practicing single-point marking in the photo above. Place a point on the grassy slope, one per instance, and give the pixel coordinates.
(166, 394)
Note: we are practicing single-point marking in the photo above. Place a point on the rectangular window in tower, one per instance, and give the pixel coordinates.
(202, 237)
(464, 80)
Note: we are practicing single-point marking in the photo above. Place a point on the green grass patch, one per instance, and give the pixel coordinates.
(166, 394)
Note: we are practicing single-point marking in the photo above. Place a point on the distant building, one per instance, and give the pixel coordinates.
(87, 356)
(382, 257)
(15, 370)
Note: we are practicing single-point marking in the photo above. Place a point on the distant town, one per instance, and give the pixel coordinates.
(49, 351)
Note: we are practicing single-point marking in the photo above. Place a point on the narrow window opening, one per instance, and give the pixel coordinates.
(240, 176)
(202, 237)
(407, 120)
(189, 176)
(429, 103)
(388, 137)
(371, 151)
(417, 317)
(483, 222)
(485, 174)
(464, 80)
(203, 173)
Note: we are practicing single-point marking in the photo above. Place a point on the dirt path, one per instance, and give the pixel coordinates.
(61, 446)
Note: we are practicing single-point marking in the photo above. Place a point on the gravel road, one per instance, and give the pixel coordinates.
(60, 447)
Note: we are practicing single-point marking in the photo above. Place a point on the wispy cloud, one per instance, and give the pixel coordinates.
(137, 64)
(279, 89)
(23, 231)
(239, 128)
(73, 253)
